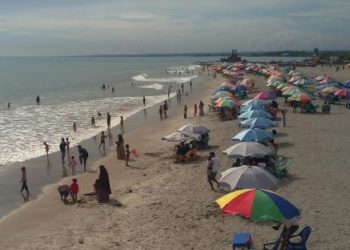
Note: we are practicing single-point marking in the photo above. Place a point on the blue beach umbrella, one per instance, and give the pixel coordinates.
(259, 122)
(255, 114)
(251, 107)
(347, 84)
(258, 102)
(253, 134)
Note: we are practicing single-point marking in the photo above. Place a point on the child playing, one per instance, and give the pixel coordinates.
(74, 189)
(47, 148)
(73, 164)
(127, 154)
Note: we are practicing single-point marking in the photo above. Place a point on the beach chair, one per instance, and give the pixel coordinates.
(291, 245)
(309, 108)
(280, 168)
(242, 241)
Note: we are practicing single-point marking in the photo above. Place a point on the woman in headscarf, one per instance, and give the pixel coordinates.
(120, 148)
(104, 188)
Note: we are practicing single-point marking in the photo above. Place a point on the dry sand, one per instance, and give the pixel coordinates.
(160, 205)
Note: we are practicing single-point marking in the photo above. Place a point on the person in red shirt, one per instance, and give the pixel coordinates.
(74, 189)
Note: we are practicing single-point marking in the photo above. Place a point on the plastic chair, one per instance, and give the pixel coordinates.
(304, 235)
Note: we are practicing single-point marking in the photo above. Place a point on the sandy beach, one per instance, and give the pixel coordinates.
(157, 204)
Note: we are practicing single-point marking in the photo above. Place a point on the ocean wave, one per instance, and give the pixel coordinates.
(24, 129)
(152, 86)
(180, 79)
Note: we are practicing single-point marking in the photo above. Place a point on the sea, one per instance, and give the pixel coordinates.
(70, 91)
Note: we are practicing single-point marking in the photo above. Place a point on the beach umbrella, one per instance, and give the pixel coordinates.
(281, 86)
(253, 134)
(227, 84)
(258, 122)
(251, 149)
(240, 87)
(254, 114)
(265, 95)
(247, 81)
(221, 94)
(330, 90)
(251, 107)
(258, 205)
(320, 77)
(347, 84)
(179, 136)
(295, 78)
(226, 104)
(247, 177)
(291, 92)
(288, 87)
(254, 101)
(193, 129)
(301, 82)
(343, 92)
(232, 98)
(326, 81)
(300, 97)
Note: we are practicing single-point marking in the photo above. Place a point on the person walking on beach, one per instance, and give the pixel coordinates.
(127, 154)
(83, 156)
(165, 109)
(284, 113)
(169, 92)
(161, 112)
(201, 108)
(63, 145)
(108, 120)
(185, 111)
(72, 164)
(24, 181)
(103, 186)
(93, 124)
(103, 141)
(74, 189)
(211, 175)
(120, 148)
(144, 101)
(67, 145)
(9, 105)
(37, 99)
(191, 82)
(47, 148)
(122, 124)
(182, 88)
(195, 110)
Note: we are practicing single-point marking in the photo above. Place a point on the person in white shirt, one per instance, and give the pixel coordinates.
(212, 170)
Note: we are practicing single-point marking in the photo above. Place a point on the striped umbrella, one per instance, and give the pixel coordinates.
(258, 205)
(265, 95)
(343, 92)
(330, 90)
(301, 97)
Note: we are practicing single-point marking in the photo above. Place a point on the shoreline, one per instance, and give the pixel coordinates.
(43, 171)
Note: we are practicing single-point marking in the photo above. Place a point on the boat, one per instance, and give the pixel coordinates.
(233, 58)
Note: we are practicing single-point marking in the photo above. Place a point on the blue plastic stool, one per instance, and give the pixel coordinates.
(242, 240)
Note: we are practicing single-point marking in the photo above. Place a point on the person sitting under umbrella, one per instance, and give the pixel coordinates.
(289, 228)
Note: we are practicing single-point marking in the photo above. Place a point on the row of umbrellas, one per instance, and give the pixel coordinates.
(253, 201)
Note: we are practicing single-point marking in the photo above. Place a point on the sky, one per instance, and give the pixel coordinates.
(86, 27)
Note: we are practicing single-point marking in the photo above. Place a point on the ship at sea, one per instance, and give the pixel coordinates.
(233, 58)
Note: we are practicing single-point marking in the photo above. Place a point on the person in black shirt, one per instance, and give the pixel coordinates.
(83, 156)
(63, 145)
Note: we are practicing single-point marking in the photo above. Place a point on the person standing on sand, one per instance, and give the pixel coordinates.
(195, 110)
(161, 112)
(93, 124)
(127, 154)
(74, 189)
(201, 108)
(144, 101)
(284, 113)
(182, 88)
(122, 124)
(24, 181)
(72, 164)
(191, 82)
(83, 156)
(108, 120)
(103, 186)
(47, 148)
(67, 144)
(185, 111)
(37, 99)
(63, 145)
(165, 109)
(210, 173)
(120, 148)
(103, 141)
(9, 105)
